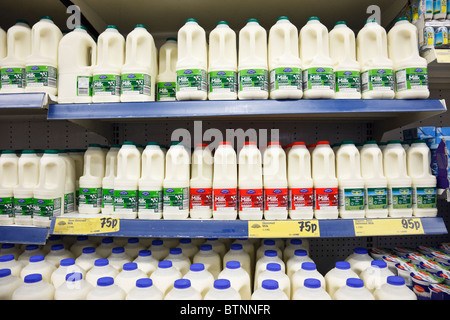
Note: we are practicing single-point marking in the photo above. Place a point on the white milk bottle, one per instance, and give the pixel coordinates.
(377, 75)
(104, 249)
(176, 183)
(101, 268)
(346, 67)
(34, 288)
(150, 198)
(126, 181)
(300, 183)
(238, 277)
(250, 182)
(146, 261)
(237, 253)
(275, 182)
(38, 264)
(110, 59)
(179, 260)
(201, 183)
(144, 290)
(353, 290)
(311, 290)
(133, 247)
(325, 182)
(13, 249)
(210, 259)
(189, 248)
(73, 288)
(182, 290)
(351, 184)
(12, 67)
(58, 253)
(399, 183)
(410, 69)
(192, 62)
(159, 249)
(248, 247)
(108, 180)
(69, 187)
(217, 245)
(307, 271)
(375, 275)
(222, 290)
(423, 181)
(273, 271)
(90, 197)
(30, 250)
(8, 261)
(77, 54)
(318, 77)
(374, 180)
(268, 244)
(78, 157)
(8, 284)
(167, 76)
(284, 61)
(165, 275)
(292, 245)
(270, 256)
(141, 66)
(8, 181)
(269, 290)
(87, 258)
(49, 193)
(252, 62)
(126, 279)
(225, 200)
(222, 63)
(295, 262)
(201, 279)
(394, 289)
(2, 43)
(41, 66)
(81, 242)
(106, 289)
(359, 260)
(118, 258)
(337, 277)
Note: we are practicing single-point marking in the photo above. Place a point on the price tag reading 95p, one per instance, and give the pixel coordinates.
(385, 227)
(86, 225)
(284, 229)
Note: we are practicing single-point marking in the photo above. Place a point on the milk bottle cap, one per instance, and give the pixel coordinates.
(196, 267)
(371, 21)
(274, 143)
(393, 141)
(323, 142)
(175, 251)
(355, 283)
(222, 22)
(118, 250)
(22, 21)
(191, 20)
(225, 143)
(57, 247)
(342, 265)
(152, 143)
(107, 240)
(270, 253)
(312, 283)
(88, 250)
(313, 19)
(250, 143)
(396, 280)
(171, 39)
(145, 253)
(308, 266)
(299, 143)
(111, 27)
(74, 276)
(282, 18)
(182, 283)
(401, 19)
(165, 264)
(140, 26)
(81, 27)
(300, 252)
(370, 142)
(129, 266)
(205, 247)
(233, 264)
(379, 263)
(347, 142)
(36, 258)
(33, 278)
(270, 284)
(6, 258)
(252, 20)
(8, 152)
(340, 22)
(236, 246)
(5, 272)
(46, 18)
(67, 262)
(273, 266)
(360, 250)
(105, 281)
(222, 284)
(101, 262)
(144, 283)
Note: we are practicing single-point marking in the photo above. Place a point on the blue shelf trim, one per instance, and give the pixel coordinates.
(22, 100)
(25, 235)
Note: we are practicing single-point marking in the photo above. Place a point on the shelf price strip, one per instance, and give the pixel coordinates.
(284, 229)
(385, 227)
(86, 225)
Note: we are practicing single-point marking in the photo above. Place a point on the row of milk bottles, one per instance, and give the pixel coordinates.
(36, 186)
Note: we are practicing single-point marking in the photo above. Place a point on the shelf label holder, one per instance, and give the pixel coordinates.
(388, 227)
(284, 229)
(86, 225)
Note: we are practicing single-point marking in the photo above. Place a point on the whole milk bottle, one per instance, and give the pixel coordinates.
(201, 182)
(108, 180)
(69, 188)
(167, 74)
(8, 180)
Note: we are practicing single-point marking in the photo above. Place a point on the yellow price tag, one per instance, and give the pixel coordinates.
(86, 225)
(283, 229)
(385, 227)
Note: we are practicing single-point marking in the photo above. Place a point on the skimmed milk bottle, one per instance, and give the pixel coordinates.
(167, 76)
(201, 183)
(8, 181)
(90, 198)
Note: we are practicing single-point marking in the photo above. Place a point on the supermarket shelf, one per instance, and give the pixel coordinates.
(23, 234)
(438, 67)
(28, 105)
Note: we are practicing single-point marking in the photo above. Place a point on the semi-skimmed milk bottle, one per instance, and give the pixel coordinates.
(140, 68)
(346, 67)
(423, 181)
(192, 62)
(201, 182)
(250, 182)
(126, 181)
(325, 182)
(399, 183)
(69, 188)
(300, 183)
(12, 67)
(284, 61)
(77, 54)
(275, 182)
(222, 68)
(374, 180)
(2, 43)
(90, 197)
(225, 198)
(110, 59)
(28, 178)
(351, 184)
(176, 183)
(108, 180)
(318, 77)
(410, 69)
(252, 62)
(167, 75)
(150, 196)
(377, 70)
(8, 181)
(41, 67)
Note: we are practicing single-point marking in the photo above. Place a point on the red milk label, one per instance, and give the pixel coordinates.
(201, 198)
(252, 199)
(225, 199)
(276, 198)
(326, 197)
(301, 198)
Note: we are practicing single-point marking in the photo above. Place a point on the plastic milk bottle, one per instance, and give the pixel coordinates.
(167, 76)
(201, 183)
(8, 181)
(108, 180)
(90, 198)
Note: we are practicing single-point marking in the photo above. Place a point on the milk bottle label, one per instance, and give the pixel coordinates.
(318, 78)
(23, 206)
(253, 80)
(150, 200)
(440, 6)
(425, 197)
(201, 198)
(69, 202)
(222, 81)
(177, 198)
(428, 6)
(191, 80)
(136, 84)
(84, 86)
(325, 198)
(301, 198)
(286, 78)
(6, 206)
(106, 85)
(377, 198)
(351, 198)
(411, 78)
(400, 198)
(107, 198)
(276, 198)
(347, 81)
(47, 207)
(90, 197)
(125, 200)
(41, 76)
(377, 79)
(13, 78)
(251, 200)
(225, 199)
(167, 91)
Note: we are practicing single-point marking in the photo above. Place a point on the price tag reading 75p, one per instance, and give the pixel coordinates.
(86, 225)
(283, 229)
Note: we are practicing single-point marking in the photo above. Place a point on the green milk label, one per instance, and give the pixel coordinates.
(12, 78)
(286, 78)
(377, 198)
(377, 79)
(253, 80)
(222, 81)
(347, 81)
(125, 200)
(166, 91)
(136, 84)
(106, 85)
(150, 200)
(400, 198)
(191, 80)
(6, 206)
(352, 199)
(176, 198)
(411, 78)
(90, 197)
(41, 76)
(107, 198)
(318, 78)
(47, 207)
(425, 197)
(23, 206)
